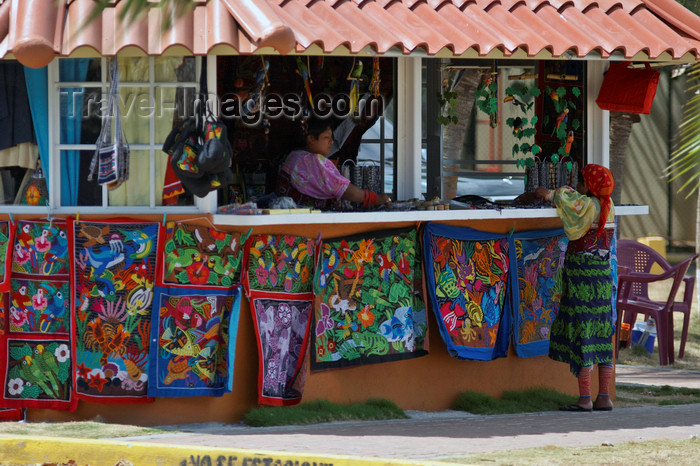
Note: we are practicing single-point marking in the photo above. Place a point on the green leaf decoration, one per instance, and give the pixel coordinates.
(524, 147)
(535, 92)
(575, 124)
(182, 277)
(569, 166)
(64, 371)
(511, 121)
(536, 149)
(182, 237)
(515, 150)
(18, 353)
(561, 150)
(555, 158)
(377, 343)
(545, 120)
(561, 91)
(169, 246)
(576, 91)
(348, 351)
(31, 391)
(534, 120)
(530, 161)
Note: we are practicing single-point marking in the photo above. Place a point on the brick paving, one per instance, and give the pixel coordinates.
(451, 433)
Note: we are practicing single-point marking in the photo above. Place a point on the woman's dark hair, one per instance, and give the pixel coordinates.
(311, 126)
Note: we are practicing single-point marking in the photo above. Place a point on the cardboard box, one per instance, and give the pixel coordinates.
(640, 338)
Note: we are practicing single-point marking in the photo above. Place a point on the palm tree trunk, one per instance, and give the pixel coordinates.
(620, 130)
(453, 134)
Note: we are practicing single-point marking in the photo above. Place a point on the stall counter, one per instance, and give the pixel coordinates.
(403, 216)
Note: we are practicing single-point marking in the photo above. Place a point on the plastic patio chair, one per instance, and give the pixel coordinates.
(636, 261)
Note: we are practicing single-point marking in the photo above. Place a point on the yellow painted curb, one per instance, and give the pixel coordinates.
(17, 449)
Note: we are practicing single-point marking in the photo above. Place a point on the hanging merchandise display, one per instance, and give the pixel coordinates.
(540, 257)
(37, 365)
(303, 71)
(487, 96)
(200, 149)
(376, 81)
(469, 274)
(523, 125)
(355, 77)
(369, 306)
(113, 305)
(111, 159)
(34, 190)
(626, 89)
(277, 278)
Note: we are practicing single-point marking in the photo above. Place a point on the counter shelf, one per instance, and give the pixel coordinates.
(384, 217)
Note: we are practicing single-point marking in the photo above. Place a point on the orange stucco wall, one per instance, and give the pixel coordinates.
(428, 383)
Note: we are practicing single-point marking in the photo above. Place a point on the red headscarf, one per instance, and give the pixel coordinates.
(600, 183)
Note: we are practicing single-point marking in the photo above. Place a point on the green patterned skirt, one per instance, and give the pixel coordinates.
(582, 331)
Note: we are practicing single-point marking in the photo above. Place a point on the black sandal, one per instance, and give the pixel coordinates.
(573, 407)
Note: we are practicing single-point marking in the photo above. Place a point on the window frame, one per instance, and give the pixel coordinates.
(432, 134)
(200, 205)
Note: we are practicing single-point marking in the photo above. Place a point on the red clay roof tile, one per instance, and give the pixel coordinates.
(639, 29)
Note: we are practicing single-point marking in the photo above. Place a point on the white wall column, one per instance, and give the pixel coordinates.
(598, 130)
(408, 115)
(208, 203)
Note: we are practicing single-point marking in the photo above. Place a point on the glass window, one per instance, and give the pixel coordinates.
(263, 98)
(499, 119)
(152, 100)
(377, 147)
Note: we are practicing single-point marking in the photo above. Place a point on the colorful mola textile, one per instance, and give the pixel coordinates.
(469, 276)
(193, 342)
(36, 364)
(279, 263)
(368, 308)
(10, 414)
(39, 285)
(540, 255)
(200, 256)
(7, 234)
(278, 283)
(36, 373)
(282, 328)
(115, 269)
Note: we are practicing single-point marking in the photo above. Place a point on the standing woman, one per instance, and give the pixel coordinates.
(309, 178)
(581, 334)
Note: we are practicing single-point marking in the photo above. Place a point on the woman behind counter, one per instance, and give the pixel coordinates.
(310, 179)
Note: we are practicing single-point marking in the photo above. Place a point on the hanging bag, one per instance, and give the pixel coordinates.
(111, 158)
(626, 89)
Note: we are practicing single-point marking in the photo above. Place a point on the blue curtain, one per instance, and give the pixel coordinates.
(71, 119)
(38, 90)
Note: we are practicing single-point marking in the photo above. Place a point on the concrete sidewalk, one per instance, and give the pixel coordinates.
(426, 437)
(656, 376)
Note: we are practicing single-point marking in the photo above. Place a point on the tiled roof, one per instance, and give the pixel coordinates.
(34, 31)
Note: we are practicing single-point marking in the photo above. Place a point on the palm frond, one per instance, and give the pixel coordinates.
(685, 159)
